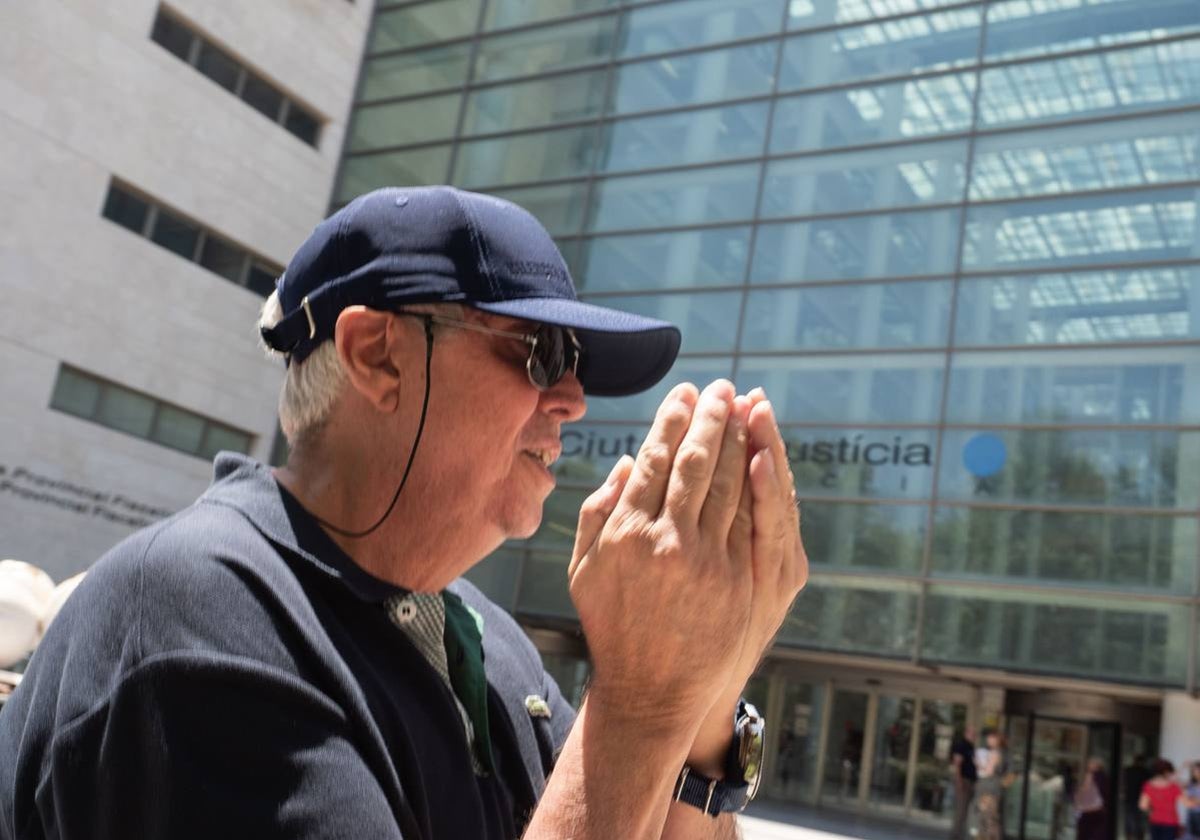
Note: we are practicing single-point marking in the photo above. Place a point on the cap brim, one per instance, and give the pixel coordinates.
(622, 353)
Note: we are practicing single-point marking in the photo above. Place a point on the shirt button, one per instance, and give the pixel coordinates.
(405, 612)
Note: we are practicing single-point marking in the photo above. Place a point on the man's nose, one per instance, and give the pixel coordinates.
(564, 400)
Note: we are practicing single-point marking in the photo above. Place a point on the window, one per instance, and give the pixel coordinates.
(125, 410)
(190, 241)
(230, 73)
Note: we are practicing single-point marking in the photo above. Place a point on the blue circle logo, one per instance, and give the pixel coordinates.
(984, 455)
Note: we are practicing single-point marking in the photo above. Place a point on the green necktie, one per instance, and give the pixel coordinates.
(464, 660)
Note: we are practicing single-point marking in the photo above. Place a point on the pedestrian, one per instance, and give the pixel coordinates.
(989, 789)
(1192, 792)
(1161, 798)
(1133, 778)
(1091, 803)
(962, 764)
(295, 654)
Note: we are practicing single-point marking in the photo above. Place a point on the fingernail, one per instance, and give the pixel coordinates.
(769, 462)
(771, 409)
(757, 393)
(614, 472)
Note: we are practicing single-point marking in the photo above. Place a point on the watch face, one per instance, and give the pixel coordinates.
(750, 751)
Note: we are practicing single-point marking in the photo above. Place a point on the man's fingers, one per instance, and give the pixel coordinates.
(698, 454)
(596, 510)
(765, 434)
(741, 532)
(725, 489)
(647, 484)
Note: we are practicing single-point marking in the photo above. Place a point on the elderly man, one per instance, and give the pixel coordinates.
(294, 656)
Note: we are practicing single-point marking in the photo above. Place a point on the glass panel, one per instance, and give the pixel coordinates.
(708, 320)
(794, 770)
(1128, 153)
(713, 257)
(1146, 304)
(75, 393)
(415, 72)
(864, 537)
(893, 742)
(1131, 468)
(410, 26)
(803, 14)
(223, 258)
(218, 66)
(641, 407)
(125, 209)
(302, 124)
(933, 793)
(261, 279)
(694, 78)
(173, 35)
(557, 533)
(844, 747)
(913, 314)
(125, 411)
(876, 463)
(548, 48)
(719, 194)
(500, 15)
(1019, 28)
(262, 96)
(886, 245)
(496, 576)
(695, 23)
(682, 138)
(1107, 228)
(175, 234)
(901, 176)
(577, 96)
(543, 589)
(1061, 633)
(868, 615)
(1151, 385)
(559, 207)
(529, 157)
(591, 450)
(1091, 85)
(218, 438)
(875, 114)
(1103, 550)
(893, 48)
(571, 673)
(178, 429)
(413, 167)
(414, 121)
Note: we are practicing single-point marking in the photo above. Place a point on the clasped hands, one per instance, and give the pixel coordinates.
(687, 560)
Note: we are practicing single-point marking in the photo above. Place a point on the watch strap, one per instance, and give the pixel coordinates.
(712, 796)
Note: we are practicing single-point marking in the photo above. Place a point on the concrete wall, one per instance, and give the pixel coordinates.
(86, 95)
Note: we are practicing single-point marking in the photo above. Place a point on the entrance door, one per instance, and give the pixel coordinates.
(844, 747)
(1049, 757)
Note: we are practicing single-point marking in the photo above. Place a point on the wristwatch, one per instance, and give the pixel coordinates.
(743, 770)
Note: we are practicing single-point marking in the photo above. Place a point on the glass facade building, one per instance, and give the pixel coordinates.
(957, 242)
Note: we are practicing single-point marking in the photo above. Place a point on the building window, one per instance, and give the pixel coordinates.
(190, 240)
(230, 73)
(143, 416)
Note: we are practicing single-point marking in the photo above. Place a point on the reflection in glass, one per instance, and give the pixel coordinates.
(548, 48)
(422, 23)
(713, 257)
(575, 96)
(543, 587)
(501, 15)
(694, 79)
(719, 194)
(1091, 85)
(1117, 468)
(941, 722)
(876, 114)
(1019, 28)
(844, 747)
(694, 23)
(1145, 304)
(877, 315)
(1059, 633)
(559, 207)
(415, 72)
(178, 429)
(848, 389)
(1105, 550)
(362, 174)
(590, 450)
(863, 537)
(871, 463)
(708, 320)
(557, 531)
(893, 741)
(794, 770)
(641, 407)
(805, 14)
(868, 615)
(400, 123)
(682, 138)
(496, 576)
(570, 673)
(893, 48)
(1105, 228)
(565, 153)
(900, 176)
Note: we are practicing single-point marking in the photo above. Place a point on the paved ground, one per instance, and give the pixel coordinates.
(767, 821)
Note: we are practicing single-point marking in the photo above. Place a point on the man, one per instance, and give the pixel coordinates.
(1133, 779)
(962, 759)
(294, 655)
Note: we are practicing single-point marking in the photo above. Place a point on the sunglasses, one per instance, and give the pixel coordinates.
(552, 350)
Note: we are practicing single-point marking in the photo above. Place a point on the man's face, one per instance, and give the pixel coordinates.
(490, 435)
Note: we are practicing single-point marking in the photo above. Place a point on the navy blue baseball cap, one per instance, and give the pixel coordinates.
(408, 245)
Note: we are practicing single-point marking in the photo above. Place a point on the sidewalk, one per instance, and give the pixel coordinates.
(773, 821)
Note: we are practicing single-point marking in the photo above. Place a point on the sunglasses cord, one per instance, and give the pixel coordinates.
(411, 455)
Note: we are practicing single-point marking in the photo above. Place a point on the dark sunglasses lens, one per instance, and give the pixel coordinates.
(548, 362)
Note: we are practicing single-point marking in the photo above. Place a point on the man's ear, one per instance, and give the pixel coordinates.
(364, 339)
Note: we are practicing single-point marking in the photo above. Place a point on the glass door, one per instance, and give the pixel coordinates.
(794, 772)
(933, 786)
(844, 747)
(892, 752)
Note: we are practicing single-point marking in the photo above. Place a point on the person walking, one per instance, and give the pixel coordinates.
(1161, 797)
(989, 789)
(962, 760)
(1091, 803)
